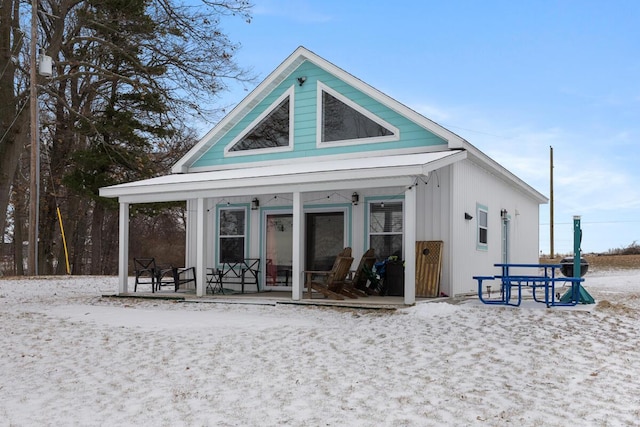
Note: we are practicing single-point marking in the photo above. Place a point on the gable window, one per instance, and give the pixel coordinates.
(386, 229)
(272, 131)
(341, 119)
(341, 122)
(483, 227)
(232, 234)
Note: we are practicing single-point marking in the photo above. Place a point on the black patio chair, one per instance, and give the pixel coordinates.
(145, 272)
(175, 277)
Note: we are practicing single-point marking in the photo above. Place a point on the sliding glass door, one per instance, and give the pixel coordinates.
(324, 238)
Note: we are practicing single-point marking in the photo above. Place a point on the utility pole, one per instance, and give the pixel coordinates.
(551, 252)
(34, 172)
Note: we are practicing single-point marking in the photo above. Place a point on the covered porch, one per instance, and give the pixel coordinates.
(299, 184)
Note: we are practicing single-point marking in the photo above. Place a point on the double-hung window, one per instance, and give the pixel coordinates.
(483, 227)
(232, 234)
(386, 229)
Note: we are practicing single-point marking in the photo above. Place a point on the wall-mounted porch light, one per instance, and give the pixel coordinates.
(355, 198)
(255, 204)
(467, 216)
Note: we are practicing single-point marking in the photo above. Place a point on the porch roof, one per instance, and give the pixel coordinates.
(300, 176)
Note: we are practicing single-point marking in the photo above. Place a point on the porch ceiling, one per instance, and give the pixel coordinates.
(301, 176)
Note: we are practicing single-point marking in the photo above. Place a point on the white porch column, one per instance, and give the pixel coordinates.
(190, 234)
(123, 249)
(410, 234)
(297, 281)
(201, 246)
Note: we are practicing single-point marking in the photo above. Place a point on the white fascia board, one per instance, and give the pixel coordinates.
(257, 190)
(266, 179)
(355, 157)
(266, 183)
(456, 156)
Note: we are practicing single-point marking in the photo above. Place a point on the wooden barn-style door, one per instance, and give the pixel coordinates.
(428, 268)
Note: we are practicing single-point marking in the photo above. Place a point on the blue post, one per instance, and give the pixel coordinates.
(577, 239)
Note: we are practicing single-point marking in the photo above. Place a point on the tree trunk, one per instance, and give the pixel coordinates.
(110, 243)
(96, 239)
(13, 117)
(48, 234)
(18, 235)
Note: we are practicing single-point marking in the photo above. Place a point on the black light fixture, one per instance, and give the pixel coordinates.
(467, 216)
(302, 79)
(355, 198)
(255, 204)
(503, 213)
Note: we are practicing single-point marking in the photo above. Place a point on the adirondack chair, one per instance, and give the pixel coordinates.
(330, 283)
(356, 285)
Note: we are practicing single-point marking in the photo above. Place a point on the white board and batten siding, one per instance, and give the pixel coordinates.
(474, 187)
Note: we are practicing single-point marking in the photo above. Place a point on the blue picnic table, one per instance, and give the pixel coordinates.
(510, 284)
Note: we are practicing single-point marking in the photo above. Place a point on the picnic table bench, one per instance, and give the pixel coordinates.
(510, 284)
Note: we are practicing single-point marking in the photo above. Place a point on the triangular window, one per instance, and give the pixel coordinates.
(272, 130)
(343, 122)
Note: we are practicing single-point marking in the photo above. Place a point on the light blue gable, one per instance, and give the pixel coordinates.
(304, 112)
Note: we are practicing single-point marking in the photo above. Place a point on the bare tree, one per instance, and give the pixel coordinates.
(14, 110)
(128, 74)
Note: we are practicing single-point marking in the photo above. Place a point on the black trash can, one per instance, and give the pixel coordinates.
(394, 279)
(567, 266)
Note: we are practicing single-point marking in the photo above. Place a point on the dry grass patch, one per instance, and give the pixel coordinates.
(606, 262)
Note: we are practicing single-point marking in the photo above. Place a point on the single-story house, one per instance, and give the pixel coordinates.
(314, 160)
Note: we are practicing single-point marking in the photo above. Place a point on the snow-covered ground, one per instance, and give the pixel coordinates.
(70, 357)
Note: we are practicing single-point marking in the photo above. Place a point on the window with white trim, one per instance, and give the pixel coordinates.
(483, 226)
(270, 132)
(341, 122)
(386, 229)
(232, 234)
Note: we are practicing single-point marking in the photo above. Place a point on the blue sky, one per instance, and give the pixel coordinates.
(511, 77)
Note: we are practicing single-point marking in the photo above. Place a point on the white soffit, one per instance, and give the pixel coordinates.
(184, 186)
